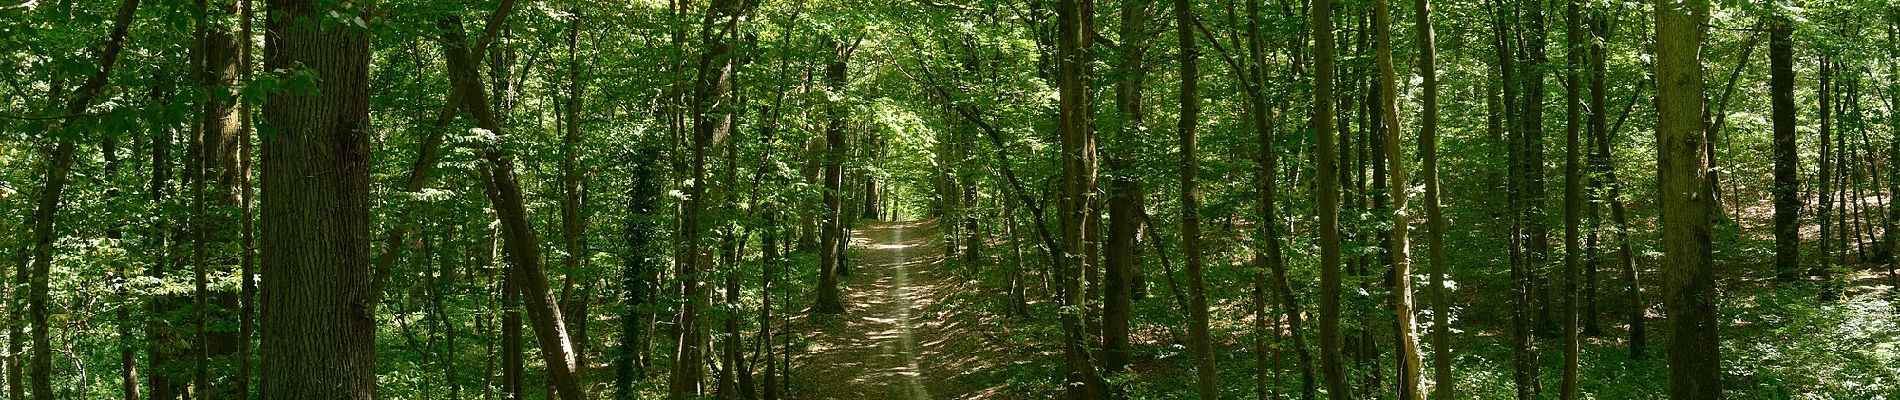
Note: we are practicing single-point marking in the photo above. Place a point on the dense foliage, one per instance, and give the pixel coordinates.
(423, 199)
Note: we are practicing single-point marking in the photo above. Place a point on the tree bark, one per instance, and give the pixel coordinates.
(1327, 196)
(1787, 160)
(1410, 365)
(1125, 191)
(316, 173)
(521, 244)
(829, 300)
(1573, 189)
(713, 113)
(1689, 292)
(1443, 384)
(1075, 25)
(58, 169)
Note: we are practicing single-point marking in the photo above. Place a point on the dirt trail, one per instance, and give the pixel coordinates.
(900, 338)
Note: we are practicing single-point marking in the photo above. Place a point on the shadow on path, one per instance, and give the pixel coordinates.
(900, 338)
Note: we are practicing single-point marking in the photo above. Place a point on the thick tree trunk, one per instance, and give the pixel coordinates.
(1198, 341)
(1125, 193)
(1689, 292)
(316, 173)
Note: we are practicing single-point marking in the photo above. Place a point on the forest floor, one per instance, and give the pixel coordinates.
(904, 334)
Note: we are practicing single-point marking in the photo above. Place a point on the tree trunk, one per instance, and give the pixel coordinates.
(1825, 269)
(1125, 192)
(642, 265)
(573, 217)
(1892, 229)
(1537, 234)
(1327, 195)
(1787, 161)
(829, 300)
(1689, 292)
(1075, 25)
(121, 278)
(1410, 364)
(713, 114)
(523, 249)
(1442, 380)
(58, 167)
(1198, 341)
(247, 287)
(1573, 189)
(316, 173)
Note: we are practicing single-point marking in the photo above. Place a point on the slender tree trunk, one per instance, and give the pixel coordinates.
(1271, 258)
(121, 279)
(511, 380)
(1327, 195)
(1524, 360)
(1410, 365)
(1892, 229)
(1443, 384)
(1825, 269)
(247, 287)
(642, 266)
(1573, 189)
(316, 232)
(1536, 62)
(58, 167)
(713, 115)
(1689, 292)
(1198, 341)
(573, 217)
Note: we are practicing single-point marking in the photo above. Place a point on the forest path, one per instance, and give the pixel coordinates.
(900, 337)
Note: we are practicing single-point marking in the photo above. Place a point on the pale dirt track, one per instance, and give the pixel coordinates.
(899, 337)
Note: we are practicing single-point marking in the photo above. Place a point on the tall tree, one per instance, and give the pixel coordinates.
(1573, 188)
(316, 220)
(1410, 368)
(1125, 190)
(1198, 341)
(830, 258)
(1075, 25)
(59, 166)
(713, 115)
(1327, 196)
(1787, 159)
(1689, 290)
(1443, 384)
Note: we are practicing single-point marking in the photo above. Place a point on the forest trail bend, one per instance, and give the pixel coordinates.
(900, 337)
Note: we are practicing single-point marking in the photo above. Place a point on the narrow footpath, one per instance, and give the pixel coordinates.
(900, 337)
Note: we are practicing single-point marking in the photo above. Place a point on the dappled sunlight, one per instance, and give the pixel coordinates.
(900, 339)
